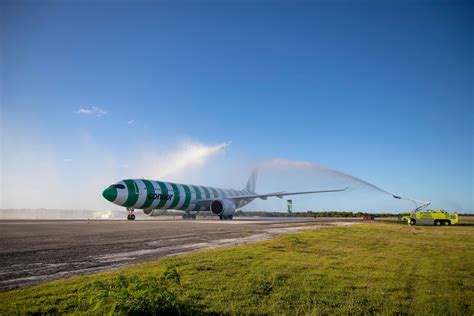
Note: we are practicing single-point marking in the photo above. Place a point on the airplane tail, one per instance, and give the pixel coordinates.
(252, 181)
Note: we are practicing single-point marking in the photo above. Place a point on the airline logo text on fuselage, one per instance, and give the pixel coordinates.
(161, 197)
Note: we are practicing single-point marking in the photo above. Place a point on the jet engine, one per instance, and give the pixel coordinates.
(223, 207)
(148, 212)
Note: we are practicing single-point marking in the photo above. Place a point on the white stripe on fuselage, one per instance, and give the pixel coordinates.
(142, 194)
(182, 196)
(170, 191)
(122, 194)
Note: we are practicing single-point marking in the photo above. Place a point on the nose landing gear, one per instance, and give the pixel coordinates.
(131, 216)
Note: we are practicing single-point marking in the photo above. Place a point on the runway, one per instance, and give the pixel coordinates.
(32, 252)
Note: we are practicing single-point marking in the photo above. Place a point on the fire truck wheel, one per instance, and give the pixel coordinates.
(437, 223)
(412, 222)
(447, 223)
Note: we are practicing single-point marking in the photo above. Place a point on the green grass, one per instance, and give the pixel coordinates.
(381, 268)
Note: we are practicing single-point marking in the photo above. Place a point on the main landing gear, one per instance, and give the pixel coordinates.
(188, 215)
(131, 216)
(222, 217)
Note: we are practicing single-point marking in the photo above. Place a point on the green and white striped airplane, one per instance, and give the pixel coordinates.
(150, 195)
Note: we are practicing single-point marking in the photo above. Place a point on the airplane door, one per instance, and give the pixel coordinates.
(135, 186)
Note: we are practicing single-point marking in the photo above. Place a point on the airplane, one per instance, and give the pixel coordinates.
(150, 195)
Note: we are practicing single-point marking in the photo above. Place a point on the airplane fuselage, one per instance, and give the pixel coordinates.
(150, 194)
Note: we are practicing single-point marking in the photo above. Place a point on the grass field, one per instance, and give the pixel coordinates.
(382, 268)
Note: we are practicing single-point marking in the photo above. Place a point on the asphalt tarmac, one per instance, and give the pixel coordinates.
(32, 252)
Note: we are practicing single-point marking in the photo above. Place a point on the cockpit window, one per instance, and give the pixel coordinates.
(117, 186)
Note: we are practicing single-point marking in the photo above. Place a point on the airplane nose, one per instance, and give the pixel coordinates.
(110, 194)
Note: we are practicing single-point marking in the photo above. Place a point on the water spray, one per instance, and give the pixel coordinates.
(419, 205)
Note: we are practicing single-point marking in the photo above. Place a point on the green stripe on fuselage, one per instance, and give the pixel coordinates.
(206, 192)
(150, 190)
(164, 192)
(198, 197)
(214, 191)
(198, 192)
(132, 194)
(175, 196)
(187, 199)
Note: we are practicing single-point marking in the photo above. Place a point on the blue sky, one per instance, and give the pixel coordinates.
(379, 89)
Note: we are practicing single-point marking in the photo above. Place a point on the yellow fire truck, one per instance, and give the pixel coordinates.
(430, 217)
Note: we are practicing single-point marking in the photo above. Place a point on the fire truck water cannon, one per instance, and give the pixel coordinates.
(419, 205)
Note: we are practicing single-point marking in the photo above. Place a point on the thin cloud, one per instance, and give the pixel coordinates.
(189, 157)
(131, 122)
(94, 111)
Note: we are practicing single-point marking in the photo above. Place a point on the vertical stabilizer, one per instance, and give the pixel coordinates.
(252, 181)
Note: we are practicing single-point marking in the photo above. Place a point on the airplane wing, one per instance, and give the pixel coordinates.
(265, 196)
